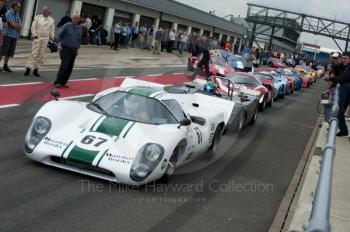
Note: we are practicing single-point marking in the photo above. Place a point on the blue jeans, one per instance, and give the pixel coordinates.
(344, 101)
(97, 37)
(181, 48)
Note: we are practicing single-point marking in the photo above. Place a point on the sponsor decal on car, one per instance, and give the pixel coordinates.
(54, 143)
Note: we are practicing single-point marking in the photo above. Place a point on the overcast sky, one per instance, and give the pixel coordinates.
(321, 8)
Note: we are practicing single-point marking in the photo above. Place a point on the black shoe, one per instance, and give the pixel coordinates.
(27, 72)
(36, 73)
(342, 134)
(7, 69)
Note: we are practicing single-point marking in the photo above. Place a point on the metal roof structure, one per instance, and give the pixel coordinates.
(184, 11)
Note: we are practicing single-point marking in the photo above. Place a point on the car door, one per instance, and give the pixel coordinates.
(193, 133)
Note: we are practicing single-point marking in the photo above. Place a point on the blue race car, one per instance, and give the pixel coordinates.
(298, 79)
(237, 62)
(280, 83)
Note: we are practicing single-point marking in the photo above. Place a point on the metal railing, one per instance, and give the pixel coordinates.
(319, 219)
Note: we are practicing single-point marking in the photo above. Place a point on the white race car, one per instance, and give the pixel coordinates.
(133, 134)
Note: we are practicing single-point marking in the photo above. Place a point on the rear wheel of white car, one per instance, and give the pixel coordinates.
(216, 142)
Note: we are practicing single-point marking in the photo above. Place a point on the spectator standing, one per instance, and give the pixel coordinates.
(68, 38)
(150, 37)
(249, 61)
(65, 19)
(135, 34)
(1, 29)
(117, 36)
(98, 30)
(183, 42)
(123, 33)
(204, 60)
(128, 35)
(165, 39)
(11, 33)
(228, 46)
(344, 94)
(158, 41)
(43, 29)
(172, 38)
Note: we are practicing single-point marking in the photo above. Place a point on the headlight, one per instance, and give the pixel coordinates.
(146, 161)
(152, 152)
(37, 131)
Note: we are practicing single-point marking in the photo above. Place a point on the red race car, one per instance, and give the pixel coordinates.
(275, 63)
(217, 66)
(250, 81)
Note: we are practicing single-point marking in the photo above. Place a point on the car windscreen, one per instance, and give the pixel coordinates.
(175, 108)
(264, 77)
(133, 107)
(243, 80)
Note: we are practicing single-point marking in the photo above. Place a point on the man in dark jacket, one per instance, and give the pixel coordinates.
(64, 20)
(344, 94)
(205, 59)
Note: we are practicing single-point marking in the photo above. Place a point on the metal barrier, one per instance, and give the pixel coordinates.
(319, 219)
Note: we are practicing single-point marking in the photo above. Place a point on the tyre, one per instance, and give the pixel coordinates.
(262, 106)
(270, 103)
(255, 117)
(241, 121)
(170, 167)
(216, 142)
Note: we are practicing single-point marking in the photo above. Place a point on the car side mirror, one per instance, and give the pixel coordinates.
(55, 94)
(185, 122)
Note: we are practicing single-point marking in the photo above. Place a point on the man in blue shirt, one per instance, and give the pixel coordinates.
(69, 39)
(11, 34)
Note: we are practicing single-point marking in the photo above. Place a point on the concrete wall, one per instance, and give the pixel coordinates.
(118, 5)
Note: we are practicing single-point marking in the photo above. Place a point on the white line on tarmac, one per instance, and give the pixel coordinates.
(19, 84)
(9, 106)
(179, 73)
(155, 75)
(78, 96)
(85, 79)
(122, 77)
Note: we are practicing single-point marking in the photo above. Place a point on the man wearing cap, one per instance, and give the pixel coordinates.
(343, 78)
(43, 29)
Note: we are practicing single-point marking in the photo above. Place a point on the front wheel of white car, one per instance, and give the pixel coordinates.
(170, 167)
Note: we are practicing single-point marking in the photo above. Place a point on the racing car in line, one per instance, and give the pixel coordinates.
(275, 63)
(133, 134)
(280, 82)
(249, 81)
(246, 101)
(217, 66)
(236, 62)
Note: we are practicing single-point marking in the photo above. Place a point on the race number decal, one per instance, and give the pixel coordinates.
(89, 139)
(92, 141)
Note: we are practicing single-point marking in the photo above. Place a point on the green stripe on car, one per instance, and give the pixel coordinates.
(126, 133)
(112, 126)
(64, 151)
(96, 122)
(82, 155)
(104, 153)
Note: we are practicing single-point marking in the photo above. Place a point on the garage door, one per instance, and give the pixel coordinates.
(58, 8)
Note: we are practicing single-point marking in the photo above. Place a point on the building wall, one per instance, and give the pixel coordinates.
(58, 8)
